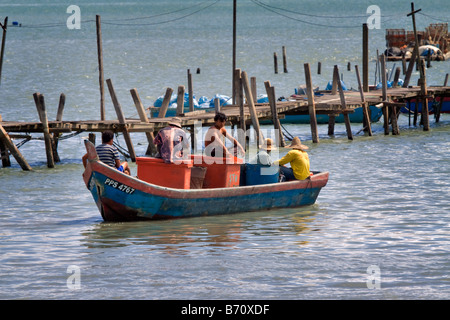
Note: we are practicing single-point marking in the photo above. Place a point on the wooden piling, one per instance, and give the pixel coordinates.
(151, 149)
(365, 38)
(9, 145)
(239, 95)
(40, 106)
(384, 94)
(180, 100)
(4, 26)
(284, 60)
(336, 80)
(165, 103)
(366, 119)
(424, 92)
(190, 90)
(446, 80)
(331, 124)
(410, 69)
(253, 88)
(311, 104)
(251, 106)
(59, 114)
(396, 77)
(217, 105)
(403, 63)
(319, 67)
(275, 62)
(344, 106)
(270, 90)
(101, 77)
(121, 119)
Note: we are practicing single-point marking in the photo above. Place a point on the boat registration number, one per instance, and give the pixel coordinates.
(119, 186)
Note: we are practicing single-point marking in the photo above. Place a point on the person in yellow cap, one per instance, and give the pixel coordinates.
(298, 159)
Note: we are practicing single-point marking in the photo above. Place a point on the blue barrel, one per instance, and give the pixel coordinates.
(259, 174)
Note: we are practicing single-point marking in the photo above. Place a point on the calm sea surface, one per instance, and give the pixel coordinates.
(379, 229)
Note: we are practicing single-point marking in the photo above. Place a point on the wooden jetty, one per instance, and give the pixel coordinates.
(243, 114)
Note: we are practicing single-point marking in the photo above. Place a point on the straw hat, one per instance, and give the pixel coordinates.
(297, 144)
(175, 121)
(268, 145)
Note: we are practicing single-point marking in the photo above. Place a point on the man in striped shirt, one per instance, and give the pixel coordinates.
(108, 153)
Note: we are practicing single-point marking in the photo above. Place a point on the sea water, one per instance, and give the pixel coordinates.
(379, 229)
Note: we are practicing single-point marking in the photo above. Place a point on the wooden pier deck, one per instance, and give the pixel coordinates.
(332, 103)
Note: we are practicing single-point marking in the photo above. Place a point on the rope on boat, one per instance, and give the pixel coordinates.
(121, 149)
(286, 134)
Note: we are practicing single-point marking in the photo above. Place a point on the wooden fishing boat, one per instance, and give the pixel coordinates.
(120, 197)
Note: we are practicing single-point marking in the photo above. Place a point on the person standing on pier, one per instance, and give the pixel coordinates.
(215, 139)
(298, 159)
(108, 153)
(171, 142)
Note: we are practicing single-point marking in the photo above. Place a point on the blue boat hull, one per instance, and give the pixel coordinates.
(411, 106)
(355, 117)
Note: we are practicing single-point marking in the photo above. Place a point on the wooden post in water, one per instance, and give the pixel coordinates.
(4, 138)
(275, 62)
(273, 108)
(4, 151)
(101, 77)
(251, 106)
(424, 92)
(396, 76)
(180, 100)
(121, 119)
(217, 105)
(403, 63)
(151, 149)
(40, 106)
(165, 103)
(344, 106)
(366, 118)
(311, 104)
(254, 91)
(190, 90)
(2, 52)
(319, 67)
(239, 95)
(410, 69)
(384, 94)
(365, 57)
(59, 114)
(284, 60)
